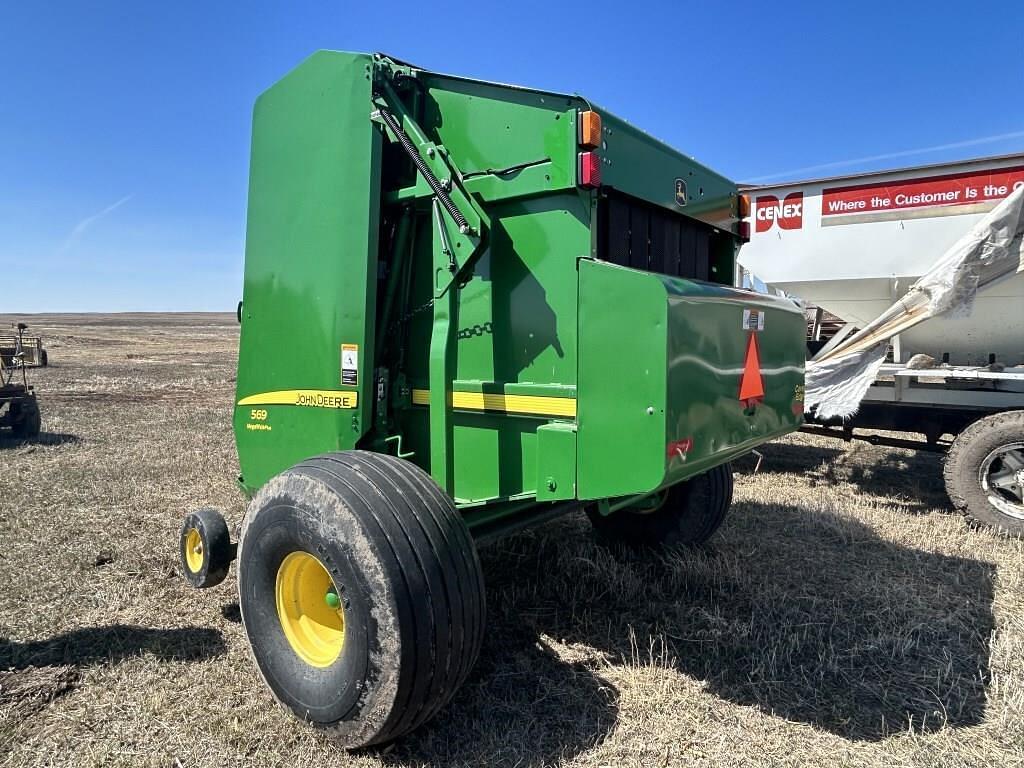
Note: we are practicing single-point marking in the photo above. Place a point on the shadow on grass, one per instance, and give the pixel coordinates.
(97, 645)
(795, 458)
(913, 479)
(43, 438)
(809, 616)
(522, 706)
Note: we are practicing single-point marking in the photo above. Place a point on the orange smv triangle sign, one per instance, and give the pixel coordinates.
(751, 385)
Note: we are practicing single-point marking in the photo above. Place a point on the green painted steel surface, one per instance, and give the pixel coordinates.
(660, 373)
(641, 166)
(504, 359)
(707, 350)
(310, 264)
(622, 383)
(556, 461)
(516, 330)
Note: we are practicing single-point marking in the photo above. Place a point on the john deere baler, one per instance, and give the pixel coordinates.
(468, 307)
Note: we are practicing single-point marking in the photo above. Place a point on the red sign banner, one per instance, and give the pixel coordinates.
(925, 192)
(789, 214)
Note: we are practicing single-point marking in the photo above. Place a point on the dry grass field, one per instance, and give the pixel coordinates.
(843, 615)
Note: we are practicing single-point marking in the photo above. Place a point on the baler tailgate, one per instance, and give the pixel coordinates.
(314, 196)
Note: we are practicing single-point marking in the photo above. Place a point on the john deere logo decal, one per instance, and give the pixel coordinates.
(680, 192)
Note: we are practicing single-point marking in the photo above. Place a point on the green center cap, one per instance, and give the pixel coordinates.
(332, 599)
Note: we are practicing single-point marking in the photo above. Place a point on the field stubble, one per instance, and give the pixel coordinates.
(843, 615)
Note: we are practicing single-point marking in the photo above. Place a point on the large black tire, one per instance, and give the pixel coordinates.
(687, 513)
(984, 471)
(44, 359)
(400, 570)
(205, 549)
(28, 421)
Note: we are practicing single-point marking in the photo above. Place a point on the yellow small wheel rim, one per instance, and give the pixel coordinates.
(314, 629)
(194, 550)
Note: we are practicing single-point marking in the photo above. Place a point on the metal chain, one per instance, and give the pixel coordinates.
(410, 315)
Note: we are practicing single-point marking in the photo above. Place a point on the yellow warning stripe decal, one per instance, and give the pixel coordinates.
(540, 405)
(310, 398)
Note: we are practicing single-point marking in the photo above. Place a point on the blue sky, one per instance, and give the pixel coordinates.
(124, 126)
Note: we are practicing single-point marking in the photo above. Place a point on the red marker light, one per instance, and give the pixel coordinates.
(590, 170)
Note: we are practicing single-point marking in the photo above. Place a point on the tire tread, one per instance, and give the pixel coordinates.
(432, 559)
(959, 471)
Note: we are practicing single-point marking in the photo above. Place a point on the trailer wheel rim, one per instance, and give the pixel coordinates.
(194, 554)
(309, 609)
(1002, 477)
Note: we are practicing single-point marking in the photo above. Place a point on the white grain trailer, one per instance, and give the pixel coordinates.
(852, 246)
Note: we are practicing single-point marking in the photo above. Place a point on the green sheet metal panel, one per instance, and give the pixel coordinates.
(556, 461)
(708, 344)
(661, 366)
(523, 294)
(636, 163)
(493, 454)
(517, 336)
(528, 136)
(622, 378)
(310, 267)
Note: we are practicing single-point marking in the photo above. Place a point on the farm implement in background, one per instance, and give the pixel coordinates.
(19, 408)
(921, 274)
(16, 349)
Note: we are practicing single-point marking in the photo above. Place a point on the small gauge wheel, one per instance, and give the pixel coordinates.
(206, 550)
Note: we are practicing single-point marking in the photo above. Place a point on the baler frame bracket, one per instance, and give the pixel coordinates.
(459, 238)
(462, 223)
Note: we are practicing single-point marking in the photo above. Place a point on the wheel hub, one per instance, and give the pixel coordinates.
(309, 608)
(194, 550)
(1002, 477)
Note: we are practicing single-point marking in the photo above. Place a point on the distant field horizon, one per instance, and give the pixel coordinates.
(144, 312)
(43, 317)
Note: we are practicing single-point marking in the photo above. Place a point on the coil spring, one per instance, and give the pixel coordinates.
(421, 166)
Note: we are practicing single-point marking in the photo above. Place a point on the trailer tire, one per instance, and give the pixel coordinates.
(380, 536)
(204, 547)
(984, 451)
(27, 420)
(44, 359)
(688, 514)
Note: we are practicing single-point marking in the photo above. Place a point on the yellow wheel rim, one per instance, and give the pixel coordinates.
(304, 592)
(194, 550)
